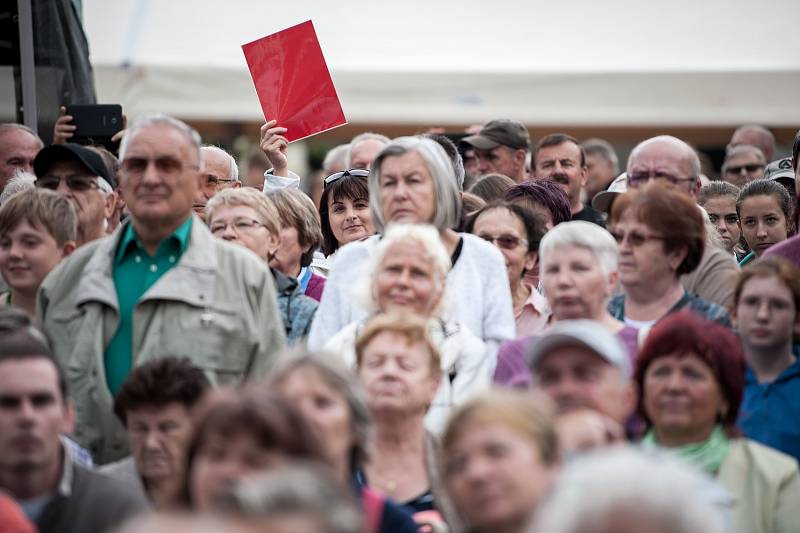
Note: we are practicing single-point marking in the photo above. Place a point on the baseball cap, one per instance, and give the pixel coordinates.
(500, 132)
(587, 333)
(781, 171)
(65, 152)
(602, 200)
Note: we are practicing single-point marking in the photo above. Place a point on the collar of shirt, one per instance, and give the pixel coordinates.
(130, 241)
(537, 303)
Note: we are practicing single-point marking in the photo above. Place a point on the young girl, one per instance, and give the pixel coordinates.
(766, 216)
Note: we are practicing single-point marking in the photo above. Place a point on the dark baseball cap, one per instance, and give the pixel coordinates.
(54, 153)
(500, 132)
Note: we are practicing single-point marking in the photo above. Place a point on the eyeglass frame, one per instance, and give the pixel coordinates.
(94, 182)
(336, 176)
(635, 180)
(493, 240)
(123, 165)
(637, 242)
(253, 224)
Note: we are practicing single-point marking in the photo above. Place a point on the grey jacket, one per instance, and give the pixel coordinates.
(217, 306)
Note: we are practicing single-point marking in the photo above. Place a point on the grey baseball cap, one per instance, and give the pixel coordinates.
(589, 334)
(781, 171)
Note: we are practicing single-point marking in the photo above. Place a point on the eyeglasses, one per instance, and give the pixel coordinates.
(165, 165)
(634, 238)
(748, 168)
(339, 175)
(638, 178)
(75, 183)
(240, 225)
(215, 182)
(506, 242)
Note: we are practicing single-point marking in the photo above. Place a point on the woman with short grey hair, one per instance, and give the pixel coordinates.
(412, 181)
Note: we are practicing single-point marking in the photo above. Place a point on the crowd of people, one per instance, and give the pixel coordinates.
(492, 336)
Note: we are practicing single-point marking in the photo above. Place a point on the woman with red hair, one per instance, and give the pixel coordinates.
(690, 374)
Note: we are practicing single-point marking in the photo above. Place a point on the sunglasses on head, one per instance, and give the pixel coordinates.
(333, 178)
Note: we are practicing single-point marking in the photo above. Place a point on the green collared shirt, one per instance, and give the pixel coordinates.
(135, 271)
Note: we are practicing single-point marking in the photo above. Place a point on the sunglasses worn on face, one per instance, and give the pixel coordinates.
(75, 183)
(165, 165)
(634, 238)
(333, 178)
(748, 168)
(506, 242)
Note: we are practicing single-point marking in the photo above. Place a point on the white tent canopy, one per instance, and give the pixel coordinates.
(615, 63)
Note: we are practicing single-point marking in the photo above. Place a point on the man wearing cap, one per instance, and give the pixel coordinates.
(79, 174)
(674, 163)
(501, 147)
(161, 285)
(560, 158)
(790, 248)
(18, 147)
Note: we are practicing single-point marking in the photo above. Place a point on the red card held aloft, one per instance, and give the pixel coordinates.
(293, 83)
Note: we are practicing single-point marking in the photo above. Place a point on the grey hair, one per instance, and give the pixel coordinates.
(690, 154)
(655, 488)
(6, 127)
(434, 252)
(586, 235)
(342, 381)
(336, 154)
(448, 204)
(234, 171)
(160, 119)
(361, 137)
(602, 148)
(20, 181)
(303, 489)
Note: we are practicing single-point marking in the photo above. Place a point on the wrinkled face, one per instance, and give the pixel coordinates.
(575, 283)
(406, 280)
(664, 161)
(642, 257)
(501, 160)
(575, 377)
(407, 190)
(765, 315)
(18, 149)
(27, 254)
(722, 212)
(158, 437)
(496, 476)
(741, 169)
(324, 408)
(240, 224)
(92, 205)
(290, 252)
(222, 460)
(32, 415)
(215, 176)
(762, 222)
(506, 231)
(350, 220)
(682, 396)
(397, 375)
(364, 153)
(160, 176)
(562, 164)
(599, 174)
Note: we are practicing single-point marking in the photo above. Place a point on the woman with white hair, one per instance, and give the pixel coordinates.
(407, 273)
(578, 270)
(412, 181)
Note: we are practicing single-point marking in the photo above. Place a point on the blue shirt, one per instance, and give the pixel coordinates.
(770, 412)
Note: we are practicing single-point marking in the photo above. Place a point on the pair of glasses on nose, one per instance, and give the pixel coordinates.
(215, 182)
(638, 178)
(333, 178)
(634, 238)
(747, 168)
(74, 183)
(241, 225)
(506, 242)
(165, 165)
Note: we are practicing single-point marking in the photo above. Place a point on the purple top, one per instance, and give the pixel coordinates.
(788, 249)
(512, 365)
(316, 284)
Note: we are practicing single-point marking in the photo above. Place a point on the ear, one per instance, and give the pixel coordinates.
(273, 242)
(519, 156)
(676, 257)
(236, 185)
(613, 280)
(530, 261)
(111, 203)
(584, 175)
(68, 248)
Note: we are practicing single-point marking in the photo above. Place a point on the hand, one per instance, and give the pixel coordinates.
(274, 145)
(64, 129)
(118, 136)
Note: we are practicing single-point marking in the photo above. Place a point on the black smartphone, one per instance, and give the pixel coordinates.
(96, 123)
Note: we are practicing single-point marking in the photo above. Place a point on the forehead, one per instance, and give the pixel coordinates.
(761, 203)
(743, 159)
(659, 154)
(27, 376)
(571, 356)
(170, 411)
(569, 252)
(397, 345)
(407, 162)
(771, 284)
(17, 140)
(367, 148)
(404, 251)
(159, 139)
(565, 150)
(216, 162)
(234, 211)
(720, 203)
(24, 227)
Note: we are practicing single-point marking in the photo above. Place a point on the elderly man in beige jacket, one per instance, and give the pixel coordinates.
(161, 285)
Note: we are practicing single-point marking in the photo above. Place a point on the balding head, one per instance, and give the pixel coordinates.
(18, 148)
(666, 158)
(757, 136)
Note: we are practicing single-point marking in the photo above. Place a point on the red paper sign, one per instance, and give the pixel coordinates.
(293, 82)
